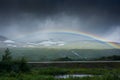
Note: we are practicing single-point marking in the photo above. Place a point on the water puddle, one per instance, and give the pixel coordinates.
(73, 75)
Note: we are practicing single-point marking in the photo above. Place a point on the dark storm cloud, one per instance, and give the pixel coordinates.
(96, 16)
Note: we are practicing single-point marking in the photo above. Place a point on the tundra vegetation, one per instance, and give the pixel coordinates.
(18, 69)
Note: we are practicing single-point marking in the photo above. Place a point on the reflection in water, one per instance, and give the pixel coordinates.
(73, 75)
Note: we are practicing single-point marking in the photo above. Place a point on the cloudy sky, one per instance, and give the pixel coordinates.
(22, 17)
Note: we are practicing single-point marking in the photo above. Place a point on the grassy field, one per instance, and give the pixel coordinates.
(49, 74)
(14, 69)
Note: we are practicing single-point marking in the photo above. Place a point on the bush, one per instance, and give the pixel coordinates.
(24, 67)
(7, 64)
(7, 56)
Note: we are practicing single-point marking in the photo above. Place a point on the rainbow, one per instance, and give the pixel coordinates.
(93, 36)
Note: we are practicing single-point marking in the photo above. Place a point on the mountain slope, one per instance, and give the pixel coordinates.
(2, 38)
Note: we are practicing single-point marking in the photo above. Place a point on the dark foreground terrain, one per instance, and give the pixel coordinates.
(50, 73)
(77, 64)
(20, 69)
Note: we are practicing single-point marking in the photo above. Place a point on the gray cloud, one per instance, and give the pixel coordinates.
(21, 17)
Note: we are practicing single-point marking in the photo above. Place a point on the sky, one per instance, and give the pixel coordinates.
(97, 17)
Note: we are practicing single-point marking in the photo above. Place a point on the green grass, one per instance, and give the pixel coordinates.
(49, 73)
(62, 71)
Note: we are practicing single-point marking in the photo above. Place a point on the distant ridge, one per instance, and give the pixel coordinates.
(115, 42)
(2, 38)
